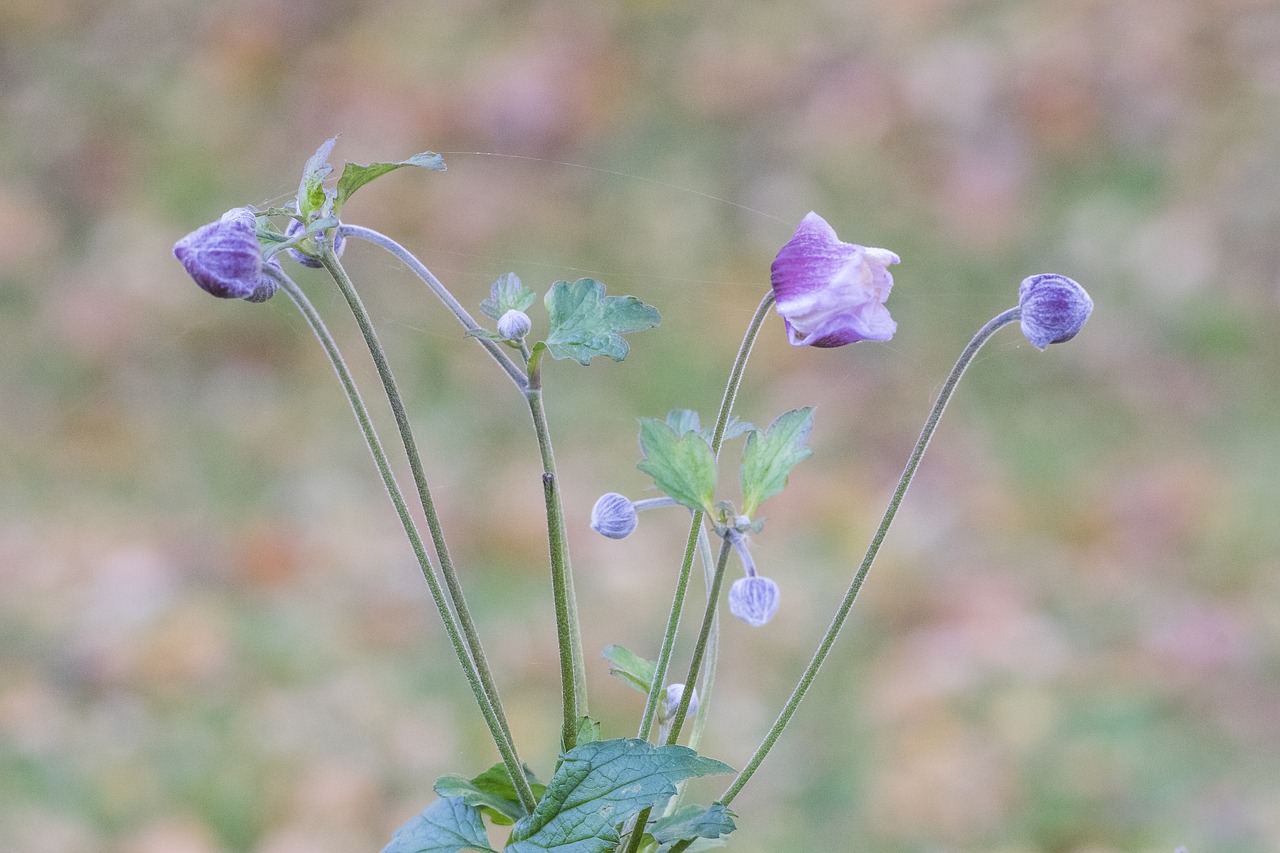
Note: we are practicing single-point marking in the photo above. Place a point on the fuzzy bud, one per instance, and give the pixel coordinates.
(514, 325)
(224, 257)
(1054, 308)
(753, 599)
(613, 516)
(671, 702)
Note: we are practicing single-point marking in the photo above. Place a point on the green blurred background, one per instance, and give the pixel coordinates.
(213, 636)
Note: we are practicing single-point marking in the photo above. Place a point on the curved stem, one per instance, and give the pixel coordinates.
(913, 462)
(452, 584)
(500, 736)
(495, 349)
(695, 527)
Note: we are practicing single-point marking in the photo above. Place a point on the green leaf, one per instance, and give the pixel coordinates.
(770, 456)
(354, 176)
(507, 294)
(588, 732)
(692, 821)
(586, 323)
(598, 787)
(682, 466)
(491, 792)
(630, 667)
(682, 421)
(311, 192)
(446, 826)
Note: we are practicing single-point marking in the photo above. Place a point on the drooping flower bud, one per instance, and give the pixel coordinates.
(1054, 308)
(613, 516)
(753, 599)
(267, 286)
(671, 702)
(514, 325)
(295, 228)
(831, 293)
(224, 257)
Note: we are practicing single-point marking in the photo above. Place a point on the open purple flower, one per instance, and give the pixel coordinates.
(1054, 308)
(831, 293)
(224, 257)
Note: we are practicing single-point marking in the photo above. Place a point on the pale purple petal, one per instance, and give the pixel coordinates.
(831, 293)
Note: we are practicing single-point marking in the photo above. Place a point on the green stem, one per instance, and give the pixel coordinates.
(695, 528)
(573, 671)
(452, 584)
(492, 715)
(495, 348)
(913, 462)
(699, 648)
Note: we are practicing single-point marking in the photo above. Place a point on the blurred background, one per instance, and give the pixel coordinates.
(212, 634)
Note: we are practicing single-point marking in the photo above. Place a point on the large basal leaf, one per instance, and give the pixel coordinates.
(682, 466)
(354, 176)
(586, 323)
(446, 826)
(598, 787)
(770, 455)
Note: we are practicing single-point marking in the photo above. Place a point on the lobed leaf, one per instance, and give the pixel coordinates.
(354, 176)
(586, 323)
(598, 787)
(492, 792)
(683, 466)
(770, 455)
(446, 826)
(691, 821)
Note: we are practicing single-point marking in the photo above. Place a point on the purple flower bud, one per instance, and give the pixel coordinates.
(514, 325)
(224, 257)
(1054, 308)
(266, 284)
(753, 599)
(295, 228)
(613, 516)
(832, 293)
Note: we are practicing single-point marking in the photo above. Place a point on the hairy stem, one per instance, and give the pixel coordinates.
(828, 639)
(695, 528)
(506, 748)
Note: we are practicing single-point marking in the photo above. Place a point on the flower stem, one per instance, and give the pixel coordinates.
(573, 670)
(495, 349)
(913, 462)
(695, 528)
(452, 584)
(501, 737)
(708, 618)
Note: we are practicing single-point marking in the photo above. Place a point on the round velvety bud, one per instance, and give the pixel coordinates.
(514, 325)
(671, 702)
(613, 516)
(1054, 308)
(753, 599)
(295, 228)
(224, 257)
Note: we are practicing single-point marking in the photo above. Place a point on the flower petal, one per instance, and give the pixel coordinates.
(831, 293)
